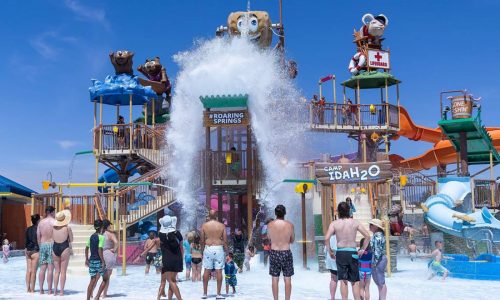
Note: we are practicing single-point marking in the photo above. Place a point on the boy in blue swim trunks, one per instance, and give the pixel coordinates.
(435, 265)
(95, 262)
(230, 270)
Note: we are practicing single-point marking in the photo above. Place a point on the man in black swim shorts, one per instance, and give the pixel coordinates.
(346, 256)
(281, 234)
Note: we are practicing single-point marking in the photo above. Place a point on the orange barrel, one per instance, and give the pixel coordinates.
(461, 107)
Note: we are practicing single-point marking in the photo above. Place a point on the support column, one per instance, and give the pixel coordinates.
(208, 168)
(304, 234)
(240, 210)
(232, 215)
(249, 179)
(219, 207)
(464, 165)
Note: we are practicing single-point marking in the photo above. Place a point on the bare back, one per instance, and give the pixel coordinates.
(213, 233)
(60, 234)
(345, 231)
(152, 245)
(281, 233)
(45, 230)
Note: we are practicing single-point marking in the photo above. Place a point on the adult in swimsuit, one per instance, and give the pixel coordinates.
(44, 232)
(345, 229)
(281, 234)
(63, 237)
(32, 254)
(214, 246)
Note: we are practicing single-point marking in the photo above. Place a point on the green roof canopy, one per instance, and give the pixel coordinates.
(224, 101)
(370, 80)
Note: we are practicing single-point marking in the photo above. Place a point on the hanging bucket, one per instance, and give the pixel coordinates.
(461, 107)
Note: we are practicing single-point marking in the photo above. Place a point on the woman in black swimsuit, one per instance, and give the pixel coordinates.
(32, 254)
(63, 237)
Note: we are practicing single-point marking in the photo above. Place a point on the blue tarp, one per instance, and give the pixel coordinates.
(116, 90)
(9, 186)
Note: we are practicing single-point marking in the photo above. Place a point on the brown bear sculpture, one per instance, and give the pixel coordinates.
(122, 62)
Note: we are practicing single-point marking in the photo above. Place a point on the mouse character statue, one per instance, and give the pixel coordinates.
(122, 62)
(158, 80)
(257, 26)
(373, 29)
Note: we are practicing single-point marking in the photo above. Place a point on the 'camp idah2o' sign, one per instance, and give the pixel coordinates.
(329, 173)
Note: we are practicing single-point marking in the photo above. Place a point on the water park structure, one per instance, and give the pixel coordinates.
(232, 171)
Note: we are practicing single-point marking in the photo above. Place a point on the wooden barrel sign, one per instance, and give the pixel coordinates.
(461, 107)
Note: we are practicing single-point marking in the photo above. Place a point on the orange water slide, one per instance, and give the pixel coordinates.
(443, 152)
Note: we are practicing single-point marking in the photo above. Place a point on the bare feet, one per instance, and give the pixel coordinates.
(41, 292)
(49, 292)
(61, 293)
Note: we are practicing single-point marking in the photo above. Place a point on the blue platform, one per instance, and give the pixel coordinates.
(484, 267)
(117, 89)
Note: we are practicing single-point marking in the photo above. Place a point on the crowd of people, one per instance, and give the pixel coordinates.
(208, 254)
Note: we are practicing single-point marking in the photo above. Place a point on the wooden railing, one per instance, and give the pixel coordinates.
(127, 137)
(227, 165)
(84, 208)
(355, 115)
(485, 191)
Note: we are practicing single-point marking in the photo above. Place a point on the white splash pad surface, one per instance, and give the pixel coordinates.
(409, 283)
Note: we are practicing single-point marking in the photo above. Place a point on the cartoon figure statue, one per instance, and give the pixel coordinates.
(368, 37)
(158, 80)
(373, 29)
(122, 62)
(257, 26)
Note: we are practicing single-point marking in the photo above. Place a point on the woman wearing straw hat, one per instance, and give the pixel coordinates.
(172, 255)
(379, 262)
(61, 249)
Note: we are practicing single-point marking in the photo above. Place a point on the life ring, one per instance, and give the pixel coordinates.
(358, 62)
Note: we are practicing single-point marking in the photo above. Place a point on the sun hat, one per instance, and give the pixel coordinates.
(377, 223)
(167, 224)
(63, 218)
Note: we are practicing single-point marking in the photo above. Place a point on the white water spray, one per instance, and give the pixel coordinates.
(228, 67)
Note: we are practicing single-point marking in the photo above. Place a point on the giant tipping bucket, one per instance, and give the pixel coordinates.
(461, 106)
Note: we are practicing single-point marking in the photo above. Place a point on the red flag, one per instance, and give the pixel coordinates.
(327, 78)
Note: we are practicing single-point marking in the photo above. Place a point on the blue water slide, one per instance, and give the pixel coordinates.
(110, 175)
(445, 211)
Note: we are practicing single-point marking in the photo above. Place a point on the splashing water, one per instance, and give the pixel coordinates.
(227, 67)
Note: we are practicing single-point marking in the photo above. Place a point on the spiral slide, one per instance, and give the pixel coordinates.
(442, 211)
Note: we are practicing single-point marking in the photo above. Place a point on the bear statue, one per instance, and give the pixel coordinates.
(157, 79)
(122, 62)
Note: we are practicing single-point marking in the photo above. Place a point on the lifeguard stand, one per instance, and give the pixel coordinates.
(230, 160)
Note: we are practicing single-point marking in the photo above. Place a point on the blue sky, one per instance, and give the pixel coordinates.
(51, 49)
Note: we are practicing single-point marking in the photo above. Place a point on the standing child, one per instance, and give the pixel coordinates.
(331, 265)
(266, 245)
(412, 250)
(365, 271)
(248, 256)
(186, 244)
(196, 258)
(230, 273)
(95, 262)
(6, 250)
